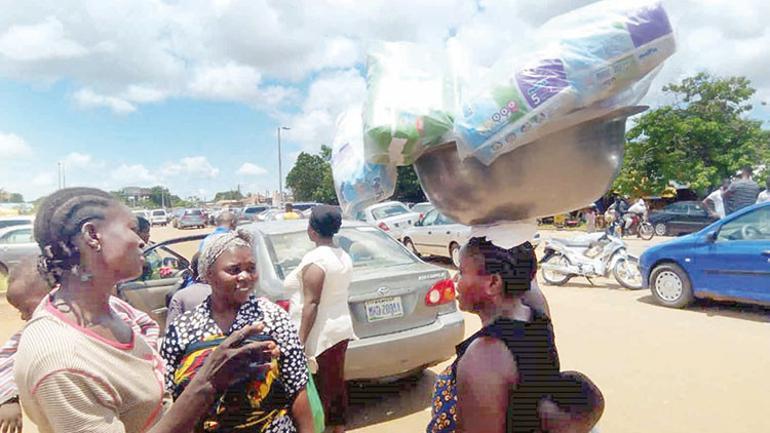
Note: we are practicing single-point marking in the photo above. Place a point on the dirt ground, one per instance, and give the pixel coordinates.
(704, 369)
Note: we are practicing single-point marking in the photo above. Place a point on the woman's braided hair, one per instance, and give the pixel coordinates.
(60, 218)
(516, 266)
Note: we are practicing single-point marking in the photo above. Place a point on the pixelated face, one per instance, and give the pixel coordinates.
(471, 282)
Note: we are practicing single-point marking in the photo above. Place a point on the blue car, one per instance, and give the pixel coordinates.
(728, 260)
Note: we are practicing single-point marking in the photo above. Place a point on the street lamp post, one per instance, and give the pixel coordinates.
(280, 164)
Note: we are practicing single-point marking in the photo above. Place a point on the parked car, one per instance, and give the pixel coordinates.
(422, 208)
(437, 235)
(16, 242)
(728, 260)
(403, 309)
(250, 213)
(303, 206)
(20, 220)
(269, 215)
(159, 217)
(392, 217)
(191, 218)
(680, 218)
(142, 213)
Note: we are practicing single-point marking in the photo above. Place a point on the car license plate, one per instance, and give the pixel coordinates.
(384, 308)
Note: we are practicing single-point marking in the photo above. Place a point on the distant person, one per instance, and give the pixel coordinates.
(320, 286)
(764, 196)
(742, 193)
(289, 213)
(26, 288)
(639, 209)
(226, 222)
(189, 297)
(152, 261)
(715, 203)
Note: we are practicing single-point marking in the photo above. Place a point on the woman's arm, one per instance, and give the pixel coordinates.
(312, 286)
(483, 392)
(302, 414)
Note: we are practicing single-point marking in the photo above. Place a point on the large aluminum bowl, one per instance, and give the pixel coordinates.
(563, 170)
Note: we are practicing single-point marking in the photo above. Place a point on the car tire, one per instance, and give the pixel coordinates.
(661, 229)
(454, 254)
(670, 286)
(410, 246)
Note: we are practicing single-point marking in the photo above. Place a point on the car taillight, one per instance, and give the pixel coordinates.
(283, 303)
(441, 293)
(383, 226)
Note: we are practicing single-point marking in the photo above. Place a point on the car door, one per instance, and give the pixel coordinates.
(677, 218)
(423, 234)
(736, 264)
(165, 271)
(698, 217)
(17, 244)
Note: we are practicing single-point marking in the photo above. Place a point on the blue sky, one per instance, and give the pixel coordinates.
(188, 94)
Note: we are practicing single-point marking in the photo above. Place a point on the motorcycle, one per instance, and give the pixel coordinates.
(639, 227)
(592, 255)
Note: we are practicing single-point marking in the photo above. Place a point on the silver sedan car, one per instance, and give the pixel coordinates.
(437, 235)
(403, 309)
(16, 242)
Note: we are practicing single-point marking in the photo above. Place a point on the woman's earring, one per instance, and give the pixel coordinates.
(98, 248)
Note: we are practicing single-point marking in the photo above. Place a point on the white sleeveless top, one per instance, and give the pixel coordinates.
(333, 322)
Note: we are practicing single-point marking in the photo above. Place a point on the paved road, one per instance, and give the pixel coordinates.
(704, 369)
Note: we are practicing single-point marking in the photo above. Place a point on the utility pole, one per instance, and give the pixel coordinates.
(59, 173)
(280, 164)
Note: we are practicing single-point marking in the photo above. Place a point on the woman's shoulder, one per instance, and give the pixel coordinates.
(47, 344)
(484, 351)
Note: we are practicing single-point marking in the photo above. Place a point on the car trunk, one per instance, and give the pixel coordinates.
(401, 222)
(375, 297)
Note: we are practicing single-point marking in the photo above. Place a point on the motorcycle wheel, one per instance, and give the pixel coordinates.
(646, 231)
(627, 273)
(556, 278)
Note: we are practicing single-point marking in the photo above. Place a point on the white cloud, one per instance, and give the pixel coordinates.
(193, 166)
(249, 169)
(42, 41)
(12, 147)
(78, 160)
(133, 175)
(87, 98)
(45, 179)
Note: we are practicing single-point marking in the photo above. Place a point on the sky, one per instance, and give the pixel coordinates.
(188, 93)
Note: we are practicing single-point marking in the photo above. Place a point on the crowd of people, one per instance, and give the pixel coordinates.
(231, 361)
(734, 195)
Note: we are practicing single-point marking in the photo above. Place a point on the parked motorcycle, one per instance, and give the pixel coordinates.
(589, 256)
(639, 227)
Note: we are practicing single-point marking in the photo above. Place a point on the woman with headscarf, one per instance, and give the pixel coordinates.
(275, 399)
(320, 306)
(525, 392)
(81, 364)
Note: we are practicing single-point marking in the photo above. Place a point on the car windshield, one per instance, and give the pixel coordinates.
(367, 246)
(389, 211)
(194, 212)
(158, 213)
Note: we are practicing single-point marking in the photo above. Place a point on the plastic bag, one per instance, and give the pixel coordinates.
(596, 55)
(409, 104)
(316, 407)
(358, 183)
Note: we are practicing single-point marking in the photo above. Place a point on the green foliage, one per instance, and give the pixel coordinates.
(228, 195)
(701, 139)
(311, 177)
(408, 188)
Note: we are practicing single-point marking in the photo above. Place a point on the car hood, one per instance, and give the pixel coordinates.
(680, 242)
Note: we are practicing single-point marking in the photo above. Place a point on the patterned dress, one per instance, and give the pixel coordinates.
(532, 346)
(258, 404)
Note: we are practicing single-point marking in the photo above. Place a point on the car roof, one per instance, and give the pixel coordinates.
(291, 226)
(17, 217)
(386, 203)
(12, 228)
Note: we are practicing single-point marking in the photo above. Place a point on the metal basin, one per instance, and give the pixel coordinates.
(566, 169)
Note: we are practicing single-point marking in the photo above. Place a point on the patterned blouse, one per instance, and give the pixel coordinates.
(260, 404)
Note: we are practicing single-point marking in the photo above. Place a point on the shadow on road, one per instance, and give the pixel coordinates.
(374, 403)
(711, 308)
(582, 283)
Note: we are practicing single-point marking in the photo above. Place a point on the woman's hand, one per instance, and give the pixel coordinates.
(10, 418)
(230, 361)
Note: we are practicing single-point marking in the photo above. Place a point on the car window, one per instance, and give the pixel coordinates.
(21, 236)
(389, 211)
(158, 213)
(697, 210)
(751, 226)
(444, 220)
(194, 212)
(164, 262)
(11, 223)
(676, 208)
(368, 248)
(360, 216)
(430, 218)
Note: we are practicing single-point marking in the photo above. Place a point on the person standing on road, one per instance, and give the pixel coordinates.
(715, 203)
(274, 400)
(320, 285)
(742, 192)
(84, 365)
(764, 196)
(525, 392)
(226, 222)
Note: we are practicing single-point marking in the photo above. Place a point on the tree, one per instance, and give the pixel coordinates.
(228, 195)
(702, 138)
(311, 177)
(408, 188)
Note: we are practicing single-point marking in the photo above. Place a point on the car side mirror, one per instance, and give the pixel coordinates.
(712, 236)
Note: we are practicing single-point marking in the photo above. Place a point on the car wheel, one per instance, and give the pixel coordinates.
(671, 286)
(454, 254)
(556, 278)
(410, 246)
(661, 229)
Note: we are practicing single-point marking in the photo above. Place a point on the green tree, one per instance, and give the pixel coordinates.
(311, 177)
(702, 138)
(408, 188)
(228, 195)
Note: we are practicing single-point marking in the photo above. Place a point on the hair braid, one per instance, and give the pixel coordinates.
(59, 220)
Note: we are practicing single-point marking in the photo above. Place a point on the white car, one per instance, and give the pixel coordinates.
(437, 235)
(159, 217)
(393, 217)
(20, 220)
(142, 213)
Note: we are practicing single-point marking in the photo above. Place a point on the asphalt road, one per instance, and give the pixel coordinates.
(704, 369)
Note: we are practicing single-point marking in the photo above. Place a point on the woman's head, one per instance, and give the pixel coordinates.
(325, 222)
(228, 265)
(86, 232)
(489, 273)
